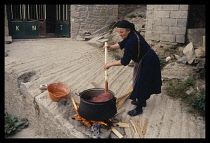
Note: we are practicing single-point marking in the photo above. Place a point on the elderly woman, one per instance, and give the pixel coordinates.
(147, 73)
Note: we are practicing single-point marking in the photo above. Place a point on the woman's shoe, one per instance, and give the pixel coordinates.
(135, 112)
(136, 103)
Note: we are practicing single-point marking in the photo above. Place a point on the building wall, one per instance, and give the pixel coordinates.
(166, 23)
(6, 31)
(89, 18)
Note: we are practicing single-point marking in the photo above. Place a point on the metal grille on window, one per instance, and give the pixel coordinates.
(16, 12)
(35, 12)
(61, 12)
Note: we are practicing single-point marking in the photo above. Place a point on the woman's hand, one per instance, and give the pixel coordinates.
(107, 65)
(108, 47)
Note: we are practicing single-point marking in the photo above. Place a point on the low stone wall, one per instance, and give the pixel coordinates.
(166, 23)
(42, 113)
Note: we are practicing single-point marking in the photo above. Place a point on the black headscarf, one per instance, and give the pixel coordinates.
(126, 24)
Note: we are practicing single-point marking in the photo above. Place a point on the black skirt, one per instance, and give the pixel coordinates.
(146, 77)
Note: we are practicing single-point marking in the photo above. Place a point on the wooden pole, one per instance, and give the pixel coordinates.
(106, 71)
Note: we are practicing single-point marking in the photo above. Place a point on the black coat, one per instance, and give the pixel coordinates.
(149, 76)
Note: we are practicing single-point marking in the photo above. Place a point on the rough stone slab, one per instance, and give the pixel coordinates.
(195, 35)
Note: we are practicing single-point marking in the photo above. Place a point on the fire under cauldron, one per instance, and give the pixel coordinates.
(96, 111)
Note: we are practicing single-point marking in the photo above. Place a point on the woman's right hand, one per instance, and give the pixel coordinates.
(108, 47)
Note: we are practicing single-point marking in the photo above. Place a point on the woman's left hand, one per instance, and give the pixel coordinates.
(107, 65)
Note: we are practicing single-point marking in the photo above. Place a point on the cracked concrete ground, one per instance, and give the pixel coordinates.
(32, 62)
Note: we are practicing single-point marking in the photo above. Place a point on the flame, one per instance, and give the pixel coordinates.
(85, 121)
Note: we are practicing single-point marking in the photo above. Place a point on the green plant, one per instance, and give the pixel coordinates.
(162, 61)
(140, 15)
(190, 81)
(117, 57)
(199, 102)
(202, 73)
(13, 125)
(176, 88)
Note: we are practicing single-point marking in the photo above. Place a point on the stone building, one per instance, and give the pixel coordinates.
(163, 22)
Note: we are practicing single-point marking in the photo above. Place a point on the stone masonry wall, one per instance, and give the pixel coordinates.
(89, 18)
(125, 8)
(166, 23)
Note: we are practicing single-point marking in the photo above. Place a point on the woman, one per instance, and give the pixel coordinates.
(147, 74)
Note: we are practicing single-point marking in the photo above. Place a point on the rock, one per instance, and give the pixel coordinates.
(200, 52)
(102, 40)
(190, 91)
(176, 70)
(189, 52)
(94, 42)
(168, 59)
(182, 60)
(80, 39)
(200, 66)
(176, 56)
(180, 49)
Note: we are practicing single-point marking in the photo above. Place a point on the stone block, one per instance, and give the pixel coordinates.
(150, 14)
(178, 14)
(169, 22)
(180, 38)
(162, 14)
(156, 7)
(170, 7)
(182, 22)
(152, 36)
(167, 37)
(157, 21)
(177, 30)
(183, 7)
(160, 29)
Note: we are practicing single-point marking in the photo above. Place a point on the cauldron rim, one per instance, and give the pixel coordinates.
(100, 89)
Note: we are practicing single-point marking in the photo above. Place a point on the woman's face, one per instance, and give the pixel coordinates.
(123, 32)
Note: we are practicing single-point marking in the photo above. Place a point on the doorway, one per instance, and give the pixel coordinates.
(50, 20)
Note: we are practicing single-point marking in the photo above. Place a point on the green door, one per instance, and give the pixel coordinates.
(25, 20)
(62, 26)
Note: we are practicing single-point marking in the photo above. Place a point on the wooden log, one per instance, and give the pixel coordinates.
(145, 126)
(128, 92)
(116, 132)
(95, 85)
(119, 104)
(133, 126)
(120, 124)
(127, 130)
(138, 129)
(74, 104)
(120, 111)
(140, 124)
